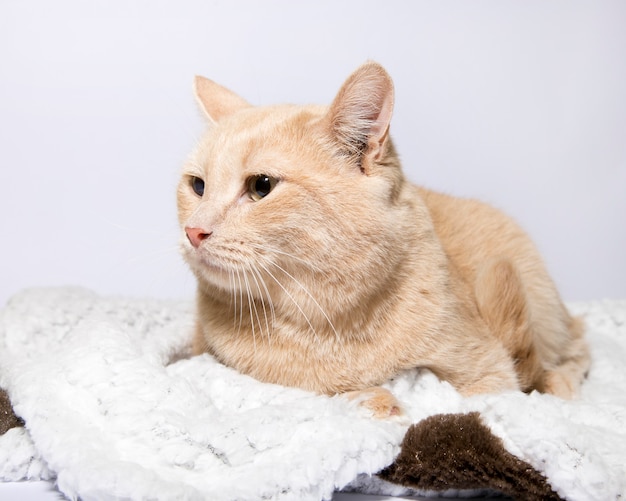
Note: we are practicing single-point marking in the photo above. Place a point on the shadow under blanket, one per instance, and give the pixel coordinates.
(105, 405)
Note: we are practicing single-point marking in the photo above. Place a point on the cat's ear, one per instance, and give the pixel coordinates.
(216, 101)
(360, 114)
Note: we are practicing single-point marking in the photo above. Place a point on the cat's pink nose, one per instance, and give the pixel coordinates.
(197, 235)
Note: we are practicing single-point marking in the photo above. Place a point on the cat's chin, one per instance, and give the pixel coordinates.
(214, 275)
(223, 279)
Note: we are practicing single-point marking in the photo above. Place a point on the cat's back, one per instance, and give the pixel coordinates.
(472, 232)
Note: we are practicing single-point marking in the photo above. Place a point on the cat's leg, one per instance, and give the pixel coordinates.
(491, 371)
(379, 401)
(545, 342)
(503, 304)
(565, 379)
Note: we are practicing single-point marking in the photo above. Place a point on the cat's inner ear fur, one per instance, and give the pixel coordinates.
(359, 116)
(217, 102)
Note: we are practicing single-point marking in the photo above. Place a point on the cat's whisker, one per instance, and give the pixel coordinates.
(240, 301)
(256, 278)
(293, 300)
(252, 307)
(269, 299)
(233, 296)
(252, 301)
(249, 307)
(272, 250)
(306, 291)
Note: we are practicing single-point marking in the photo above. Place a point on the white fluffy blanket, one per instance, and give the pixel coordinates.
(109, 415)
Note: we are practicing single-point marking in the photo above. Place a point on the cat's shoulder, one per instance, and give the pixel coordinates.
(457, 217)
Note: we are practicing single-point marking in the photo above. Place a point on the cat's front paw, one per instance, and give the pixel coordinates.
(379, 401)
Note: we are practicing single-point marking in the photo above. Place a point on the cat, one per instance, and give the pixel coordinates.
(320, 266)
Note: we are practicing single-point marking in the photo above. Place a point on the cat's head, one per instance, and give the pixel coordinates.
(279, 199)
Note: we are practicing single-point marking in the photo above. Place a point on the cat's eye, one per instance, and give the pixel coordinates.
(260, 186)
(197, 185)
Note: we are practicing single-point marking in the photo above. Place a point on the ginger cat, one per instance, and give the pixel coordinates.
(320, 266)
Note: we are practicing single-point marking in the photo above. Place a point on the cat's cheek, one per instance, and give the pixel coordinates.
(187, 250)
(244, 200)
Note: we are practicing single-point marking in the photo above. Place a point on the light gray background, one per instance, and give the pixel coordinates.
(522, 104)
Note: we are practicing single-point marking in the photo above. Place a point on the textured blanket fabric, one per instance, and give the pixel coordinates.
(8, 419)
(458, 450)
(113, 409)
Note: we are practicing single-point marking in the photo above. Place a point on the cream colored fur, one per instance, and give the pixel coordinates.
(345, 273)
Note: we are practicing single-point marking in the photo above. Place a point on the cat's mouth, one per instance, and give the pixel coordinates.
(211, 266)
(221, 273)
(208, 265)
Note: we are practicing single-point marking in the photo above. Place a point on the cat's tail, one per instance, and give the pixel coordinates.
(502, 303)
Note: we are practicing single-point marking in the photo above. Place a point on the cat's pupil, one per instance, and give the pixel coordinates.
(198, 186)
(262, 186)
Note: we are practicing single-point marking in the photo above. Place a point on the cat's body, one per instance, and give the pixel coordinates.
(321, 267)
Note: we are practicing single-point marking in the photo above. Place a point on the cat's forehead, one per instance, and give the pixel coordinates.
(257, 132)
(260, 119)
